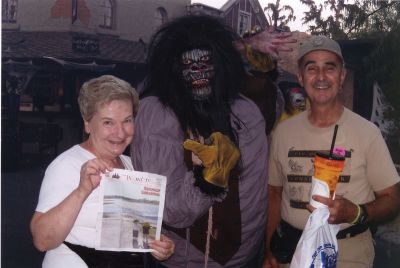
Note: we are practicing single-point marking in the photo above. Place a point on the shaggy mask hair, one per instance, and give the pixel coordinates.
(165, 73)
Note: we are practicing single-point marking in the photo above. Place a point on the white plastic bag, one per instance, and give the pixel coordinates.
(317, 247)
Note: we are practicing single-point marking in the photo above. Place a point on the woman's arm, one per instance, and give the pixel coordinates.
(50, 229)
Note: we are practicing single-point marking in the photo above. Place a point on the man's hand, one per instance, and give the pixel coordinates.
(341, 209)
(269, 260)
(218, 159)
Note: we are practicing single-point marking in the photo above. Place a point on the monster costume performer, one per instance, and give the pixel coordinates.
(194, 127)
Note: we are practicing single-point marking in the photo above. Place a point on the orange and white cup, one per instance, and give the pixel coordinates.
(327, 169)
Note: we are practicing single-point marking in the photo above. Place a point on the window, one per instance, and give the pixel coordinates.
(74, 10)
(244, 22)
(160, 17)
(9, 11)
(107, 13)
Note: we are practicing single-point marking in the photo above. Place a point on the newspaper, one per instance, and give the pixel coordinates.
(131, 210)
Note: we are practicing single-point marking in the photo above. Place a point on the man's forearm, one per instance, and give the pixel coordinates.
(274, 211)
(386, 205)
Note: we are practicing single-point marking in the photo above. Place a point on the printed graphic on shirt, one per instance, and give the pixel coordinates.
(300, 168)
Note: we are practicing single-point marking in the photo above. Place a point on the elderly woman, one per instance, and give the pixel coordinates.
(64, 223)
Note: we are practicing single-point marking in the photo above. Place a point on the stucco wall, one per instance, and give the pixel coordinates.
(134, 18)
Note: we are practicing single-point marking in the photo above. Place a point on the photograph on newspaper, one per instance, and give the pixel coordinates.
(131, 210)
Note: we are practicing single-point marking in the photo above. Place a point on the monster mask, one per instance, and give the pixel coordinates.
(297, 99)
(198, 71)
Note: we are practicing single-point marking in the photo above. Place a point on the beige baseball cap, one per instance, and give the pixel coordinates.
(319, 42)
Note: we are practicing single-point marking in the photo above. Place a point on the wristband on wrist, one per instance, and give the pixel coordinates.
(363, 214)
(358, 215)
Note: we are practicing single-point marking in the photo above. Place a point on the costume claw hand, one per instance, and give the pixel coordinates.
(271, 42)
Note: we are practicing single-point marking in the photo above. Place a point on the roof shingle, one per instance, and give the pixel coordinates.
(16, 44)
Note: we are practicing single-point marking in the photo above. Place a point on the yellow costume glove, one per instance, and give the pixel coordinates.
(218, 158)
(259, 61)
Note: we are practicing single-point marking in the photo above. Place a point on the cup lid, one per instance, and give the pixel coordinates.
(326, 155)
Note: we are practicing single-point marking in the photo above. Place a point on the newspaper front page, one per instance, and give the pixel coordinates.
(131, 213)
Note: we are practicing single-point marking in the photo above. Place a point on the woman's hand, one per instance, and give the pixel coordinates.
(164, 248)
(91, 174)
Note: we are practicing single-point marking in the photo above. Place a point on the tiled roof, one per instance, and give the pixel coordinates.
(32, 45)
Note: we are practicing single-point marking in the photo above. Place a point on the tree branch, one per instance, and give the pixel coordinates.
(369, 15)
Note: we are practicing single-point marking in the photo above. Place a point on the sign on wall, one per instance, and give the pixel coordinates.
(85, 44)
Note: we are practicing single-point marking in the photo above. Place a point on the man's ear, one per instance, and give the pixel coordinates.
(343, 76)
(300, 79)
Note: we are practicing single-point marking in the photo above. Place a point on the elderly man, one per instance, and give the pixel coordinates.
(368, 188)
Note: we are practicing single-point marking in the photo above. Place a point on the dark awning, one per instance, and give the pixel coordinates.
(60, 45)
(92, 66)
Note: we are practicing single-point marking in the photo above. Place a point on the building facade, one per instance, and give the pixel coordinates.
(244, 15)
(128, 19)
(240, 15)
(51, 47)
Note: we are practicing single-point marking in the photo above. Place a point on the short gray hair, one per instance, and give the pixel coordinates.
(102, 90)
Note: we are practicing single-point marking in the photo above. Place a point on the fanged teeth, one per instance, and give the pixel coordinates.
(202, 91)
(200, 82)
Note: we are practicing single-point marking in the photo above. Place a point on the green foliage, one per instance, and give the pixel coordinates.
(276, 17)
(352, 19)
(371, 18)
(330, 26)
(383, 65)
